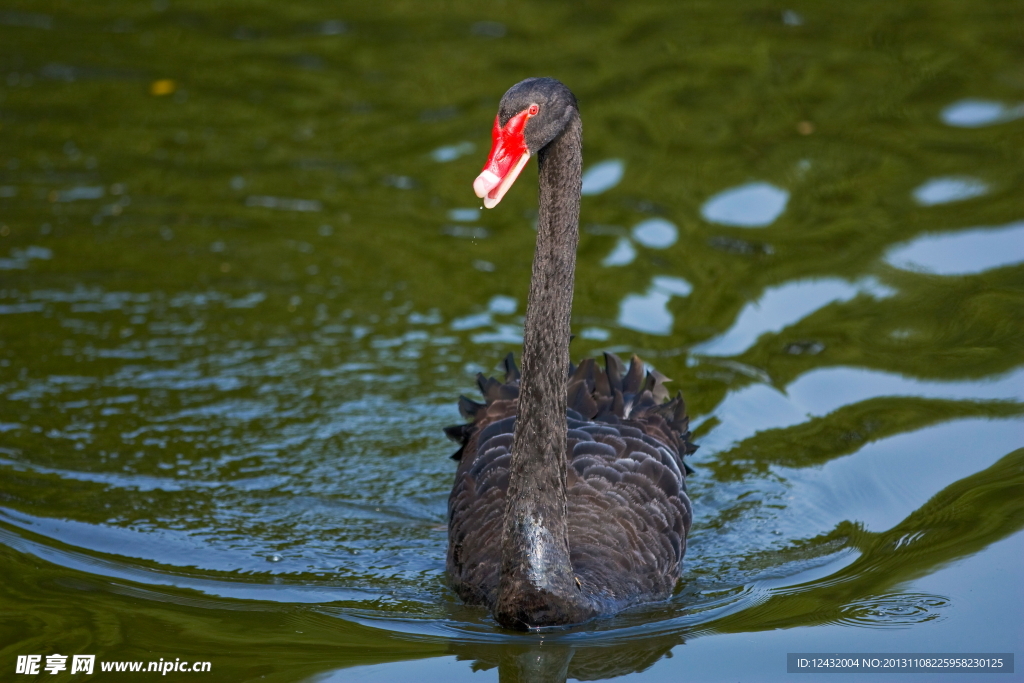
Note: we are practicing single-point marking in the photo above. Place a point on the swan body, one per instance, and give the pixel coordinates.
(570, 498)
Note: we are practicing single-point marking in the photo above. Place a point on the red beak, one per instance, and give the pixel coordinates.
(508, 156)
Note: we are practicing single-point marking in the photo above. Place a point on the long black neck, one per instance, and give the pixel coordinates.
(537, 585)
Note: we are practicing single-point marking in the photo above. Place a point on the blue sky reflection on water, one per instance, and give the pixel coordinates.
(602, 176)
(883, 483)
(782, 306)
(622, 255)
(949, 189)
(649, 312)
(655, 233)
(963, 252)
(975, 113)
(758, 406)
(754, 205)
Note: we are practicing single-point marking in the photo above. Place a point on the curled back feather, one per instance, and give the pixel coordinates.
(615, 395)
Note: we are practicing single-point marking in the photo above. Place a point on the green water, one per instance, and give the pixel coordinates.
(244, 278)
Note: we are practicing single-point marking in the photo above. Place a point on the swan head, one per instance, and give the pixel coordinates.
(531, 114)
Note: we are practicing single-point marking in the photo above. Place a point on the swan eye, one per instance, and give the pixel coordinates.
(532, 111)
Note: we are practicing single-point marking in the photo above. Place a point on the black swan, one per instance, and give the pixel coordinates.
(570, 498)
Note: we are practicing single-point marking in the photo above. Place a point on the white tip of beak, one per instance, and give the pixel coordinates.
(491, 188)
(484, 183)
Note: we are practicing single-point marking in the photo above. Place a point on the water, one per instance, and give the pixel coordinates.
(243, 280)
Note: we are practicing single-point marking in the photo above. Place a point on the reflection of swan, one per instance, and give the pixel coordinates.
(569, 501)
(555, 661)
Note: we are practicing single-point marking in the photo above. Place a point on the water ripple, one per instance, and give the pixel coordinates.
(900, 610)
